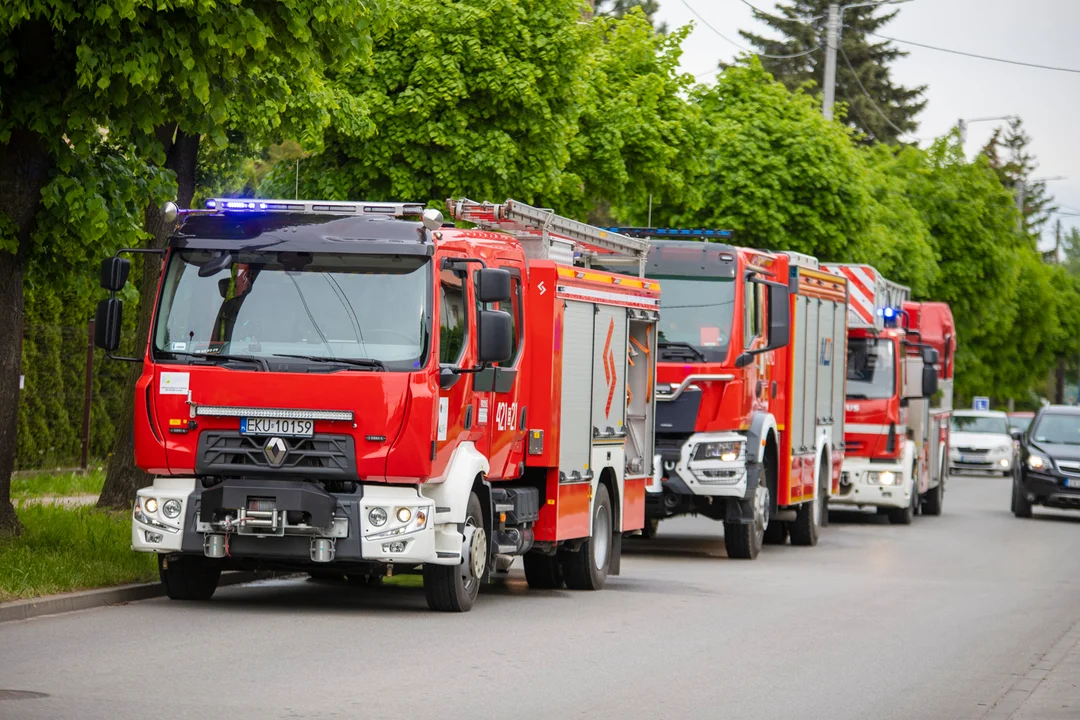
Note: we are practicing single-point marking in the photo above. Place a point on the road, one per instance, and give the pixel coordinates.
(937, 620)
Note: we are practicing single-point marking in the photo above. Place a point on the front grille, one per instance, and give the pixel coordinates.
(973, 451)
(233, 454)
(717, 477)
(1069, 468)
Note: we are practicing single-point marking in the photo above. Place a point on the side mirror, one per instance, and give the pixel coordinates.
(223, 287)
(930, 356)
(496, 342)
(779, 316)
(114, 273)
(448, 378)
(107, 323)
(1017, 434)
(744, 359)
(492, 285)
(929, 380)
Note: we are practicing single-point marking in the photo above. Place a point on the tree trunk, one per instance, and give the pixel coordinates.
(24, 170)
(1059, 382)
(123, 478)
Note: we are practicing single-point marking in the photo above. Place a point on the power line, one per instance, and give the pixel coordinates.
(868, 97)
(743, 47)
(974, 55)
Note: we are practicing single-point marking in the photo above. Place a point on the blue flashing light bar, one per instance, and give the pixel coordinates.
(889, 315)
(323, 207)
(678, 233)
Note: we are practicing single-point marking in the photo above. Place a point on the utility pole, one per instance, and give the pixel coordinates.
(832, 42)
(831, 31)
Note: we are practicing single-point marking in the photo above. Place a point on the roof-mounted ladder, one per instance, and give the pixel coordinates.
(548, 236)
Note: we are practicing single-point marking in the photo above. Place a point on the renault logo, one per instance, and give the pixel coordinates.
(275, 451)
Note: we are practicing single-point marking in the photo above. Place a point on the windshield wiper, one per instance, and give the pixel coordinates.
(358, 362)
(260, 361)
(852, 396)
(687, 348)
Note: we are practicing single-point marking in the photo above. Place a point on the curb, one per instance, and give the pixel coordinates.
(1014, 698)
(86, 599)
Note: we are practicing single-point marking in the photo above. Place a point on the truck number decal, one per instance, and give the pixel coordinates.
(506, 416)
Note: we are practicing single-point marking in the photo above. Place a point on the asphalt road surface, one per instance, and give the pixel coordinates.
(936, 620)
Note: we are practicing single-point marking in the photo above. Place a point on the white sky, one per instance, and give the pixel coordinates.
(1036, 31)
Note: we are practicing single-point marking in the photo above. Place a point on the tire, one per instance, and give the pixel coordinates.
(1021, 506)
(652, 525)
(542, 572)
(587, 569)
(905, 515)
(776, 533)
(188, 577)
(744, 540)
(453, 588)
(808, 518)
(934, 499)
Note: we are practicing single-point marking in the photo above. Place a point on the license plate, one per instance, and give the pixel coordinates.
(276, 426)
(1072, 483)
(972, 459)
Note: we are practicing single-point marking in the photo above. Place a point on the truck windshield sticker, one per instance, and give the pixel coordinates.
(174, 383)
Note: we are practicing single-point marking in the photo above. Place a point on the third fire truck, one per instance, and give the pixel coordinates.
(750, 388)
(899, 396)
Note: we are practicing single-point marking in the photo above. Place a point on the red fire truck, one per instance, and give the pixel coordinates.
(351, 387)
(899, 396)
(750, 396)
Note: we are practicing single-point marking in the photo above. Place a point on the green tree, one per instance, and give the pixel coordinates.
(159, 77)
(1009, 154)
(619, 8)
(778, 173)
(885, 108)
(470, 97)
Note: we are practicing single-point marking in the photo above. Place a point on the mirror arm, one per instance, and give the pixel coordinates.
(470, 371)
(109, 355)
(449, 263)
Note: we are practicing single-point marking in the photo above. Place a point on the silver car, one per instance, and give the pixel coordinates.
(981, 441)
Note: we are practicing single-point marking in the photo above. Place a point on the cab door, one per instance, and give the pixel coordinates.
(499, 387)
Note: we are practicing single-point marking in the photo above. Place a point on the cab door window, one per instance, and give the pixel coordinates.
(753, 304)
(453, 317)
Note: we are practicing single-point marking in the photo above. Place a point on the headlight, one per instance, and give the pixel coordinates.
(886, 477)
(1038, 462)
(377, 516)
(171, 508)
(727, 451)
(150, 504)
(404, 514)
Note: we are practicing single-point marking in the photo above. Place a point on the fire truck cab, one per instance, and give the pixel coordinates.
(899, 395)
(354, 388)
(749, 398)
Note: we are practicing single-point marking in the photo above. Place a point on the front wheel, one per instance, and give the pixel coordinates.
(188, 577)
(587, 569)
(1021, 506)
(453, 588)
(905, 515)
(744, 540)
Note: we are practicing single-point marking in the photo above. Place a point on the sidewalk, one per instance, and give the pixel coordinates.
(1050, 690)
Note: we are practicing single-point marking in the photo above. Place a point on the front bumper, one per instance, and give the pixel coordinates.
(857, 490)
(351, 534)
(1049, 489)
(991, 461)
(679, 473)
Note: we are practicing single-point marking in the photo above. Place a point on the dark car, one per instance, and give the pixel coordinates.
(1049, 462)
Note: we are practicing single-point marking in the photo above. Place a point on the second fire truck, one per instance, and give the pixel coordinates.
(750, 388)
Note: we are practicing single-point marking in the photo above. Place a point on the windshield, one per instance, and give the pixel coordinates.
(980, 424)
(871, 369)
(1020, 422)
(327, 305)
(697, 312)
(1058, 430)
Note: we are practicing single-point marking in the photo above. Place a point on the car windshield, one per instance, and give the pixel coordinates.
(1057, 429)
(697, 311)
(1020, 422)
(326, 305)
(871, 369)
(980, 424)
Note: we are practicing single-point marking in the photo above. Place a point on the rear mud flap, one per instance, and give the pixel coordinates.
(615, 565)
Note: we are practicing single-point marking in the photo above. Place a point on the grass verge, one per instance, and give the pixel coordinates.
(57, 484)
(63, 549)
